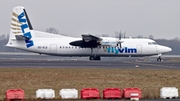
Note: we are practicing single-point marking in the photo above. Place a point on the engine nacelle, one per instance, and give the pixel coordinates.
(108, 41)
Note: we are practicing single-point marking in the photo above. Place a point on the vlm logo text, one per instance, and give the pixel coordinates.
(25, 30)
(117, 50)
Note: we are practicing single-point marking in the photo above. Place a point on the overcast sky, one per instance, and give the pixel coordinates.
(161, 18)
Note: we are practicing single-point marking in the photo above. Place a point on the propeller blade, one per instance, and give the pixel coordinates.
(120, 35)
(120, 39)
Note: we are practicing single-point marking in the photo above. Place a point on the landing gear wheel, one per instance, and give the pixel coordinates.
(91, 58)
(159, 58)
(98, 58)
(94, 58)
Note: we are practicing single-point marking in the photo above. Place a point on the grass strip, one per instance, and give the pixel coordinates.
(31, 79)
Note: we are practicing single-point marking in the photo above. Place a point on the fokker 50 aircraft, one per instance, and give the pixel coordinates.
(22, 36)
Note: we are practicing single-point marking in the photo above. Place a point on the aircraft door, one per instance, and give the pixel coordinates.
(139, 49)
(53, 48)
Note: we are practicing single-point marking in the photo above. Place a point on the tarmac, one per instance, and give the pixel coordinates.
(46, 61)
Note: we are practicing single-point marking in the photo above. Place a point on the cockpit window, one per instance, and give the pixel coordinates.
(149, 43)
(152, 43)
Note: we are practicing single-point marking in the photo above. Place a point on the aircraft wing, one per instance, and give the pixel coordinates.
(89, 37)
(88, 41)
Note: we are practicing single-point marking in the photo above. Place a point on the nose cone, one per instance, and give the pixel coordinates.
(169, 49)
(164, 49)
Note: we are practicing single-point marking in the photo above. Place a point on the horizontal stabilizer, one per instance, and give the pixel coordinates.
(21, 37)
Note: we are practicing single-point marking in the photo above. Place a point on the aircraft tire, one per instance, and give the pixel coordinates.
(94, 58)
(98, 58)
(91, 58)
(159, 59)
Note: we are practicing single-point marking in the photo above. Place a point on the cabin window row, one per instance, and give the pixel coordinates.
(75, 47)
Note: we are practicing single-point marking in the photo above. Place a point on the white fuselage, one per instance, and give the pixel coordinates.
(59, 45)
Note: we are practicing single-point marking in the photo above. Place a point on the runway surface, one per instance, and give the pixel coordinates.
(43, 61)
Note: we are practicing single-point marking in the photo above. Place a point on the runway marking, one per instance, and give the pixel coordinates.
(150, 64)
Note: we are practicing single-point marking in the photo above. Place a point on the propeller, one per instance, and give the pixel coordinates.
(120, 39)
(119, 42)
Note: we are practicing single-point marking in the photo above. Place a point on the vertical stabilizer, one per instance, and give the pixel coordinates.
(21, 28)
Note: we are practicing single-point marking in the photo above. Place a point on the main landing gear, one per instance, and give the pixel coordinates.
(94, 56)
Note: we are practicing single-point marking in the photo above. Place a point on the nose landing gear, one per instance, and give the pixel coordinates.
(159, 57)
